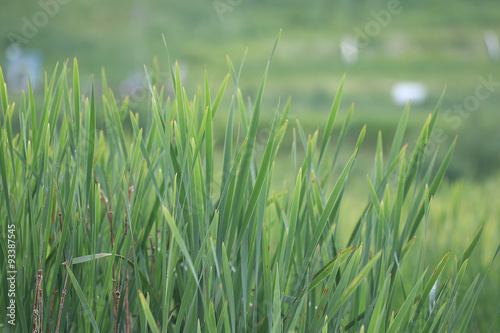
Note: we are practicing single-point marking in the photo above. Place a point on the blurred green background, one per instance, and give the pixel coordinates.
(434, 43)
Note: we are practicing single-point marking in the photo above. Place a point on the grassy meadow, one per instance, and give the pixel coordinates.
(232, 194)
(156, 231)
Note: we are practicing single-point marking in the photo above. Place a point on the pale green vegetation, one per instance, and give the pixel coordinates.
(155, 230)
(150, 232)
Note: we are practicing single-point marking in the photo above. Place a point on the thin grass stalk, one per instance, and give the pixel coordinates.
(61, 304)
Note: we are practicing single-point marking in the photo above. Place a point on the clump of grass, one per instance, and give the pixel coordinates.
(151, 239)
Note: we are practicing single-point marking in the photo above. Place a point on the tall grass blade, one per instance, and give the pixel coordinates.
(149, 315)
(82, 299)
(331, 119)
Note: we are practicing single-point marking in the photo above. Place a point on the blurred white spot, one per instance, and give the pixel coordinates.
(492, 44)
(401, 92)
(432, 295)
(20, 64)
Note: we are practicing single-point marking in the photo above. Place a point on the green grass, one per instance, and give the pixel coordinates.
(157, 230)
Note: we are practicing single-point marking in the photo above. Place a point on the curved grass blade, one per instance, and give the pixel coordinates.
(149, 316)
(3, 94)
(472, 245)
(83, 300)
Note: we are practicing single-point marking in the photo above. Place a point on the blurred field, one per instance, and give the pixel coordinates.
(437, 43)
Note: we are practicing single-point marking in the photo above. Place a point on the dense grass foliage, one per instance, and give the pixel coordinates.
(158, 232)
